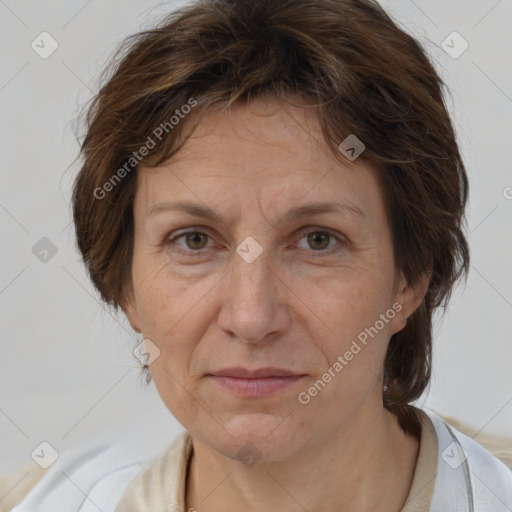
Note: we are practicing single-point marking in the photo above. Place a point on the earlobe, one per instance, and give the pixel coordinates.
(412, 296)
(133, 319)
(131, 313)
(409, 298)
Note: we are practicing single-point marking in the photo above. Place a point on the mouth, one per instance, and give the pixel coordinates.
(255, 383)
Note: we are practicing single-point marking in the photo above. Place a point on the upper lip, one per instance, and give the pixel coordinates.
(254, 374)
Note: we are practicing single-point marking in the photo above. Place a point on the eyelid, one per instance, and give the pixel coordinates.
(313, 229)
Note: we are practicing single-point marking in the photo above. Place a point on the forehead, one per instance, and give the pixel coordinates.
(265, 126)
(262, 152)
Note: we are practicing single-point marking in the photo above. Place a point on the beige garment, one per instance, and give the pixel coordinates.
(161, 486)
(422, 488)
(164, 479)
(15, 486)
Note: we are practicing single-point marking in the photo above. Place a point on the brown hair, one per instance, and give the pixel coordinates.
(347, 60)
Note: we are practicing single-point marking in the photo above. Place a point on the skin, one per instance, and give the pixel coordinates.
(298, 306)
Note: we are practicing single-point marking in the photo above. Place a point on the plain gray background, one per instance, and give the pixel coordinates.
(67, 371)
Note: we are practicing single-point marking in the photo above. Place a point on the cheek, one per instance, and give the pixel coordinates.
(353, 349)
(174, 311)
(358, 317)
(163, 295)
(347, 304)
(170, 310)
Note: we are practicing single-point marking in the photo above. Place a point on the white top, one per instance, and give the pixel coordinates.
(469, 478)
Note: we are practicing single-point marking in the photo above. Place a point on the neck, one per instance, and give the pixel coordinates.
(368, 465)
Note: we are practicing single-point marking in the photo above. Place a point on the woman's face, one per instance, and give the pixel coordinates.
(264, 279)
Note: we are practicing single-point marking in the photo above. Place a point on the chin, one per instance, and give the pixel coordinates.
(267, 437)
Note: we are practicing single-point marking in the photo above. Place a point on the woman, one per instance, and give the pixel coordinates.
(273, 195)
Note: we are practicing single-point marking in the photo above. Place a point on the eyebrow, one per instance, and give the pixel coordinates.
(297, 212)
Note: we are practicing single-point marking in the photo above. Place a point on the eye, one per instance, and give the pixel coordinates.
(192, 242)
(318, 241)
(321, 241)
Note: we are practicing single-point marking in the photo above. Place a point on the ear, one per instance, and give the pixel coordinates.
(129, 306)
(409, 298)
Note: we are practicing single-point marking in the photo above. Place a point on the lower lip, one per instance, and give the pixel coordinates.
(252, 388)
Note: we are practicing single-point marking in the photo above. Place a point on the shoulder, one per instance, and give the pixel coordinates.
(468, 475)
(161, 485)
(94, 475)
(16, 485)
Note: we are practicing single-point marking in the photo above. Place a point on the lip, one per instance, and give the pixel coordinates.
(255, 383)
(244, 373)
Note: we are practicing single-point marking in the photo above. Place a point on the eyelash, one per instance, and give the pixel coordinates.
(320, 253)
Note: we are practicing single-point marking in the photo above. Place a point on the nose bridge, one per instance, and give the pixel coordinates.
(251, 279)
(251, 306)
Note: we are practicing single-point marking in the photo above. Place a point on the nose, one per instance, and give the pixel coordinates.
(255, 301)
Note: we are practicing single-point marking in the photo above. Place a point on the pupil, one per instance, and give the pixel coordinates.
(313, 238)
(193, 238)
